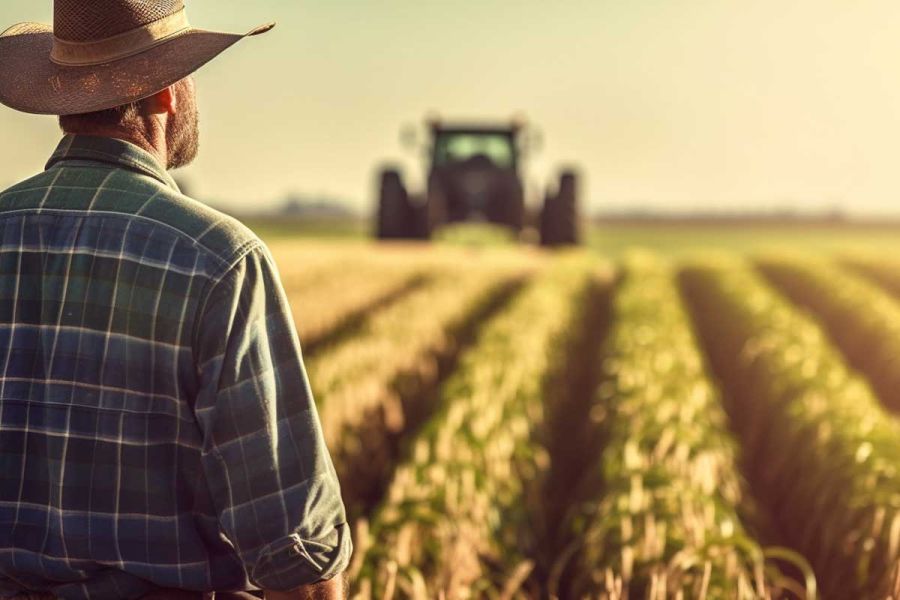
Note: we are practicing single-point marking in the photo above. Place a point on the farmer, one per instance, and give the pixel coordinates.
(158, 438)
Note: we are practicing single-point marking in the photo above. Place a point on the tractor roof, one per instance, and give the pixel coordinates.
(474, 127)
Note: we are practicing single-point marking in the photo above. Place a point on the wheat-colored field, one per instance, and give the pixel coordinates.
(509, 423)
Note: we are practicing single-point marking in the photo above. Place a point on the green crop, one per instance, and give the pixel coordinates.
(363, 385)
(861, 318)
(728, 447)
(668, 522)
(451, 523)
(822, 454)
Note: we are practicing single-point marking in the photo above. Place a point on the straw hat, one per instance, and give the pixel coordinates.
(103, 53)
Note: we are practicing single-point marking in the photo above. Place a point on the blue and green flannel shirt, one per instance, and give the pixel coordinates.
(156, 424)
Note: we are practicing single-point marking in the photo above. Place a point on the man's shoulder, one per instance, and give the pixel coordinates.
(125, 194)
(212, 230)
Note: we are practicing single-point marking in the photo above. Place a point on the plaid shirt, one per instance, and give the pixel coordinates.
(156, 424)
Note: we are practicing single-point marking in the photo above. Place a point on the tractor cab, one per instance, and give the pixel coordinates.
(454, 146)
(474, 175)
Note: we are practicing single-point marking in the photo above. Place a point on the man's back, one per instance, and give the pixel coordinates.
(149, 369)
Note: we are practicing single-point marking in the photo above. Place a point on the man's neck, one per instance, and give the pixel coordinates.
(150, 140)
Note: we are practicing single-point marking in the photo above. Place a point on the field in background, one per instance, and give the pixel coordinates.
(683, 239)
(616, 423)
(614, 239)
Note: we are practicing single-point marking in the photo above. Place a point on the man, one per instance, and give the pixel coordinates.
(158, 438)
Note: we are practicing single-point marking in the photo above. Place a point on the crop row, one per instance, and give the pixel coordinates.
(861, 318)
(667, 524)
(436, 407)
(339, 305)
(877, 268)
(336, 292)
(822, 455)
(371, 386)
(454, 522)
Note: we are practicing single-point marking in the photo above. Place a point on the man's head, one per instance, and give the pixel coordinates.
(166, 124)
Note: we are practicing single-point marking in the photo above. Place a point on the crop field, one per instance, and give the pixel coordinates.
(630, 423)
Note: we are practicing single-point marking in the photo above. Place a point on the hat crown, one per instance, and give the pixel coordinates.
(80, 21)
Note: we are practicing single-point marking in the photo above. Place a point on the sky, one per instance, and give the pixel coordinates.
(663, 105)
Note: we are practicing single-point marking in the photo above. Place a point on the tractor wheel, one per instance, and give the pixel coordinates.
(393, 218)
(549, 220)
(568, 208)
(559, 219)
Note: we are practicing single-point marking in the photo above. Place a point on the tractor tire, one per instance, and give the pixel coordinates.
(394, 219)
(568, 208)
(559, 219)
(546, 225)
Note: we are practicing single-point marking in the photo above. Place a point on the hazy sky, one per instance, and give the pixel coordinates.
(667, 104)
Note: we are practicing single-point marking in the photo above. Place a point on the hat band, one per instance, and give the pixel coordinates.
(84, 54)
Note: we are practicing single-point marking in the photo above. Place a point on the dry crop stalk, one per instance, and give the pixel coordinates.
(360, 383)
(668, 522)
(356, 375)
(862, 319)
(823, 453)
(324, 308)
(455, 510)
(326, 285)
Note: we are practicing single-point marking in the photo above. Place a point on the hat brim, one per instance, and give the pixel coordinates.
(30, 82)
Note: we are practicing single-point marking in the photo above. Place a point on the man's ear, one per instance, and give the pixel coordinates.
(162, 102)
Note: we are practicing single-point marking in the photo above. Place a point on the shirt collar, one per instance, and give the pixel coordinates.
(111, 151)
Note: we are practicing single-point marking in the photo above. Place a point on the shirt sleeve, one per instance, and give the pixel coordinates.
(264, 455)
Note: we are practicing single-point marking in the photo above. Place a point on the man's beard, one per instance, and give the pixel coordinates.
(183, 132)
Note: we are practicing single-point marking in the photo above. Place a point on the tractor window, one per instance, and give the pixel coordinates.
(458, 147)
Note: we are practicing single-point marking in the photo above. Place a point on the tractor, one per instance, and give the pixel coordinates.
(474, 175)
